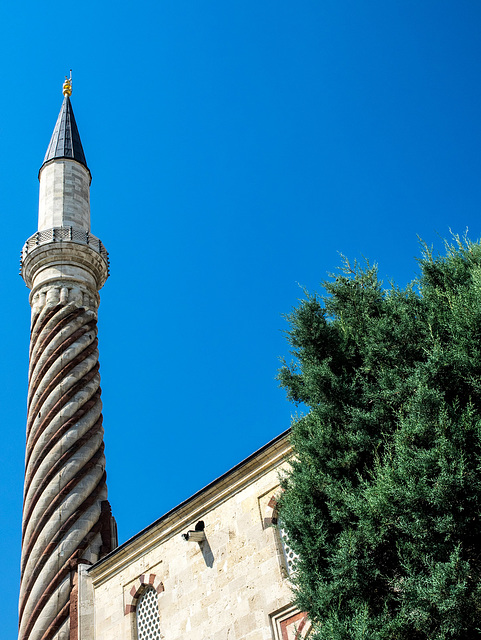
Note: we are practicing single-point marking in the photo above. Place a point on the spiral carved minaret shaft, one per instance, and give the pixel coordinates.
(66, 517)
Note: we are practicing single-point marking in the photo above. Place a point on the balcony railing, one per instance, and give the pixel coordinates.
(63, 234)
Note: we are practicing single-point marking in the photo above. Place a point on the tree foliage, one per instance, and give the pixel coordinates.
(383, 501)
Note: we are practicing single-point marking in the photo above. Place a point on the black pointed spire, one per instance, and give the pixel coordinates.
(65, 141)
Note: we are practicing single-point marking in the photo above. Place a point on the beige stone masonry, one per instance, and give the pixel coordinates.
(64, 198)
(224, 588)
(71, 270)
(86, 605)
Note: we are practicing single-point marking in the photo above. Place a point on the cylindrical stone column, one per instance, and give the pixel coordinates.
(65, 464)
(66, 517)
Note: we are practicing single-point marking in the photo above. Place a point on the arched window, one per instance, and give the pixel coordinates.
(147, 610)
(271, 517)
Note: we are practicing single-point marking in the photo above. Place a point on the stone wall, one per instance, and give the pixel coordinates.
(232, 586)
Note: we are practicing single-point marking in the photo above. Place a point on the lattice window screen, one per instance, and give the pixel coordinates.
(148, 622)
(290, 556)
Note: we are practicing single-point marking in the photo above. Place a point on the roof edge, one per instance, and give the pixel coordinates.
(278, 439)
(52, 160)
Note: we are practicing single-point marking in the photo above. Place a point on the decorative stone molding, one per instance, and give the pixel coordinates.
(70, 262)
(142, 582)
(290, 624)
(57, 292)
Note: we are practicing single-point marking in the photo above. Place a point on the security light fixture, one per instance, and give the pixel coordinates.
(197, 534)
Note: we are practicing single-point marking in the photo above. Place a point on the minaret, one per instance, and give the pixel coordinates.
(66, 515)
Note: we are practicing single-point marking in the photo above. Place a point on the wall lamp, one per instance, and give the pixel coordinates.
(195, 535)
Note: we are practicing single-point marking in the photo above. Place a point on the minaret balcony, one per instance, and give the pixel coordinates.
(64, 253)
(64, 234)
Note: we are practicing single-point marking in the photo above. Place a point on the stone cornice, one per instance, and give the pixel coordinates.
(61, 254)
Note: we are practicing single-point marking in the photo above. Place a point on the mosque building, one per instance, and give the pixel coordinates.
(217, 566)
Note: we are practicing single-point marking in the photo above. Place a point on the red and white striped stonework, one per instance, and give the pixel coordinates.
(142, 582)
(66, 517)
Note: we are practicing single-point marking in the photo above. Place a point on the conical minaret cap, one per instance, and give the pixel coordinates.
(65, 141)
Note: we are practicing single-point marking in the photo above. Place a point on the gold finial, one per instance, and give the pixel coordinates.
(67, 85)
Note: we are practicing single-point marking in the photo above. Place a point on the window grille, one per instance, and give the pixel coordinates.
(290, 556)
(148, 622)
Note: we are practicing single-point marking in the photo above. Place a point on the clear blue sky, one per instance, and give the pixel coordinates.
(236, 149)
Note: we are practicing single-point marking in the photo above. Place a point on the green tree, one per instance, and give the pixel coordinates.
(383, 500)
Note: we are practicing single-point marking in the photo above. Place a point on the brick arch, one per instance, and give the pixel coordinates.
(272, 516)
(142, 582)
